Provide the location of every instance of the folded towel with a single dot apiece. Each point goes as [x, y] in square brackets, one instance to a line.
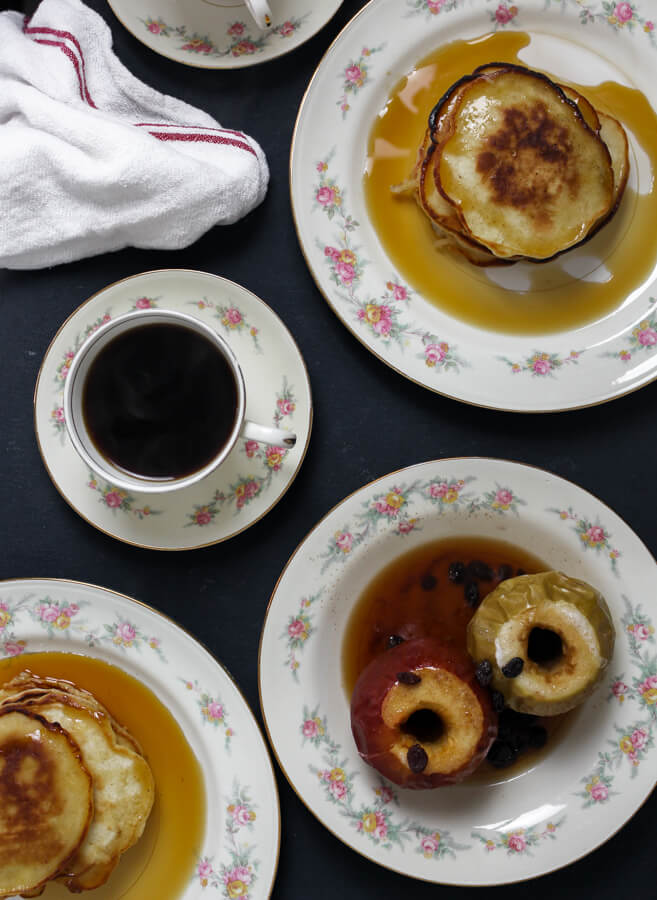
[92, 160]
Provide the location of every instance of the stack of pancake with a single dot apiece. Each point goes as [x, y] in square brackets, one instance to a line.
[514, 166]
[75, 789]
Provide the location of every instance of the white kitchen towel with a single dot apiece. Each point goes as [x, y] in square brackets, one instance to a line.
[92, 159]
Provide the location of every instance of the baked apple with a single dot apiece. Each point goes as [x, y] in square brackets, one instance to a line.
[419, 716]
[548, 638]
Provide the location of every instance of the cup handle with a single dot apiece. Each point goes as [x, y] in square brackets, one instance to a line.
[262, 433]
[260, 11]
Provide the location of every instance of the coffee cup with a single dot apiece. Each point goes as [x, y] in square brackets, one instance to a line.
[155, 401]
[260, 11]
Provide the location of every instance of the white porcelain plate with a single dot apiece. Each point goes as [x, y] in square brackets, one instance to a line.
[239, 850]
[254, 476]
[220, 34]
[584, 789]
[584, 42]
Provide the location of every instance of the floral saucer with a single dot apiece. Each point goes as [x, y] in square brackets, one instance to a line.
[220, 34]
[577, 796]
[253, 478]
[585, 41]
[239, 852]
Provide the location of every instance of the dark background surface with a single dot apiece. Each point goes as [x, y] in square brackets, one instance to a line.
[368, 421]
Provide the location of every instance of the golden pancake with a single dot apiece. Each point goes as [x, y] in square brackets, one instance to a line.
[123, 788]
[526, 174]
[46, 800]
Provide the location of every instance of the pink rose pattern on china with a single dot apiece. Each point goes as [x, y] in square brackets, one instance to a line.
[249, 487]
[618, 15]
[237, 874]
[520, 841]
[394, 509]
[297, 631]
[541, 364]
[354, 76]
[634, 739]
[240, 38]
[641, 339]
[382, 317]
[10, 644]
[213, 711]
[233, 320]
[57, 419]
[116, 499]
[593, 535]
[377, 821]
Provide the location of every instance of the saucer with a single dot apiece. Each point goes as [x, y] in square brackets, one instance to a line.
[588, 783]
[220, 34]
[253, 478]
[238, 854]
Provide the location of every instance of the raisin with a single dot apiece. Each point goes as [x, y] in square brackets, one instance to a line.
[513, 668]
[501, 754]
[537, 736]
[521, 572]
[505, 571]
[456, 572]
[472, 593]
[497, 699]
[417, 758]
[394, 640]
[480, 570]
[408, 678]
[484, 673]
[428, 582]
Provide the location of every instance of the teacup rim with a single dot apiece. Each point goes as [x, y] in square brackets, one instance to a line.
[150, 485]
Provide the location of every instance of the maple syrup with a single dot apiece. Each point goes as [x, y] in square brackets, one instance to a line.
[622, 255]
[413, 597]
[161, 862]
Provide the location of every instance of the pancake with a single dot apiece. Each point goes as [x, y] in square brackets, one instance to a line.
[123, 788]
[527, 175]
[514, 166]
[46, 801]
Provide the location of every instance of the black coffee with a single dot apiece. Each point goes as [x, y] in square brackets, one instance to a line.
[160, 401]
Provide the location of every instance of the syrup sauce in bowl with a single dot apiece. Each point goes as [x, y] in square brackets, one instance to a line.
[414, 597]
[580, 286]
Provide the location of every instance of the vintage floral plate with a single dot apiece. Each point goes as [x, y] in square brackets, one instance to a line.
[585, 42]
[239, 853]
[252, 479]
[594, 778]
[220, 34]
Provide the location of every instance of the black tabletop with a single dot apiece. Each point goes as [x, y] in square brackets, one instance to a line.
[368, 421]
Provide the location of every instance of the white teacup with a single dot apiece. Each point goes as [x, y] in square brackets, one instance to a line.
[78, 431]
[260, 11]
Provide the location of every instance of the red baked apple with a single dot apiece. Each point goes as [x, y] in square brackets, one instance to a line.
[419, 716]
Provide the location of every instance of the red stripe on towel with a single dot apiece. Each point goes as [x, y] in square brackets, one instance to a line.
[79, 66]
[238, 134]
[204, 138]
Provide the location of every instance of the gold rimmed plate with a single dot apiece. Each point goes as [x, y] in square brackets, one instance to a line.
[608, 352]
[560, 807]
[237, 853]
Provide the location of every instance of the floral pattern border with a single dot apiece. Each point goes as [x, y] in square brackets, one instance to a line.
[378, 820]
[239, 40]
[384, 317]
[632, 740]
[236, 877]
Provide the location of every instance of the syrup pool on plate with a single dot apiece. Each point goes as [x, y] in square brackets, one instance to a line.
[413, 597]
[162, 862]
[580, 286]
